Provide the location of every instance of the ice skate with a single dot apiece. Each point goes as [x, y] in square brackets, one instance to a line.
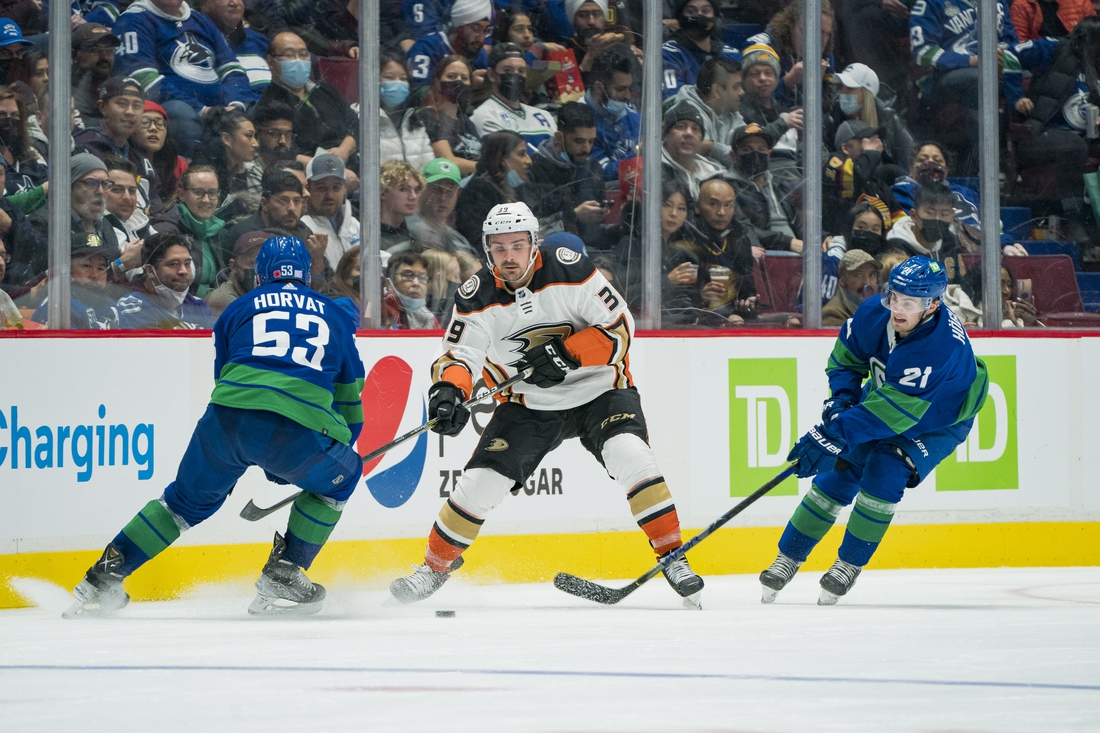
[283, 589]
[422, 583]
[775, 578]
[685, 582]
[100, 593]
[837, 581]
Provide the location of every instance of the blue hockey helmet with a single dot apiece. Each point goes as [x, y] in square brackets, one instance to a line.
[282, 258]
[917, 277]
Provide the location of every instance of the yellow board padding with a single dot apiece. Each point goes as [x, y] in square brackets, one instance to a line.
[537, 558]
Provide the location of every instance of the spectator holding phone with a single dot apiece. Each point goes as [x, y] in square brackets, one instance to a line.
[567, 188]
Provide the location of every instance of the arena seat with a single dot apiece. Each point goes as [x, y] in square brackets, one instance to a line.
[1054, 247]
[783, 275]
[342, 73]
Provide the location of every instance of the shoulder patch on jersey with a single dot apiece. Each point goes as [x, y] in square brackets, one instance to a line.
[835, 162]
[567, 256]
[470, 287]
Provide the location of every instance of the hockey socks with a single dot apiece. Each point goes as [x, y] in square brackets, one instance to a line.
[454, 530]
[147, 535]
[869, 521]
[653, 510]
[312, 519]
[810, 522]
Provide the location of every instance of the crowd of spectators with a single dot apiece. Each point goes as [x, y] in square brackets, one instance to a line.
[199, 130]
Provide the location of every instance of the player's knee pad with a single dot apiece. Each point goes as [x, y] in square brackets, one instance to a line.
[480, 490]
[887, 473]
[629, 460]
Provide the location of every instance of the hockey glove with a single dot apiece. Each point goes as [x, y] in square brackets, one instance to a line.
[549, 362]
[445, 406]
[833, 407]
[817, 451]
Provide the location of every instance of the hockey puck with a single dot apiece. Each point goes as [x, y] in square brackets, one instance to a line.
[445, 614]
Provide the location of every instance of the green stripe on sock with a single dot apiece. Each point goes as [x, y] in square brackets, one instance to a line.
[312, 520]
[152, 529]
[868, 521]
[811, 523]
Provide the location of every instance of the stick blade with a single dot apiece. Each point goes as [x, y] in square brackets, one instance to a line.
[251, 512]
[588, 590]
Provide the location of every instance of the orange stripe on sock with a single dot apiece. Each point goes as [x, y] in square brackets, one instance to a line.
[440, 553]
[664, 532]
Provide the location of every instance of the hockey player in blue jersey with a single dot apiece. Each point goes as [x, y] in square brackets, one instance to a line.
[286, 398]
[924, 388]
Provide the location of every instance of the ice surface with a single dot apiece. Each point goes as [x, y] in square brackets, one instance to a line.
[931, 650]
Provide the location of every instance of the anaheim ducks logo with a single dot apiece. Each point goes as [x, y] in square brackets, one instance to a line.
[497, 444]
[529, 338]
[470, 287]
[567, 256]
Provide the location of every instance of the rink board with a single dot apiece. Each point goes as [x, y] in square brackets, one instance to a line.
[106, 421]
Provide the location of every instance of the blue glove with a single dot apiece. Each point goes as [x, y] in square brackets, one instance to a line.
[833, 407]
[817, 451]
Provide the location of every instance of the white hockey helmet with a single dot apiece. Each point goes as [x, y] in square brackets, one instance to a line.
[507, 218]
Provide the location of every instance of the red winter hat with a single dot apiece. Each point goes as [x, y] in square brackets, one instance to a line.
[154, 107]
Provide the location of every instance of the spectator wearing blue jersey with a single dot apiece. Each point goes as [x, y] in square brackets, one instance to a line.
[104, 12]
[943, 36]
[784, 35]
[94, 48]
[857, 281]
[181, 60]
[163, 300]
[465, 36]
[505, 110]
[618, 123]
[698, 39]
[248, 44]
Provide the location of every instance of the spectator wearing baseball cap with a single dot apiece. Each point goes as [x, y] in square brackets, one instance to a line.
[328, 210]
[12, 45]
[242, 271]
[92, 296]
[857, 100]
[504, 109]
[431, 224]
[858, 281]
[122, 105]
[856, 171]
[767, 199]
[682, 135]
[94, 49]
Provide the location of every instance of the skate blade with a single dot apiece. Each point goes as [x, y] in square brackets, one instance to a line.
[767, 594]
[827, 599]
[272, 606]
[80, 609]
[694, 602]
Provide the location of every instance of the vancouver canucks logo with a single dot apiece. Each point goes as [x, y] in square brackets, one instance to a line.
[529, 338]
[193, 61]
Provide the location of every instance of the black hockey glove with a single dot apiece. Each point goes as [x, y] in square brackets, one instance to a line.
[549, 362]
[445, 405]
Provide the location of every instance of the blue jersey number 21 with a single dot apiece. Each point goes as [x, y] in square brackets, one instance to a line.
[264, 332]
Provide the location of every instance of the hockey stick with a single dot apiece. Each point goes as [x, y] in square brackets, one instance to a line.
[609, 596]
[251, 512]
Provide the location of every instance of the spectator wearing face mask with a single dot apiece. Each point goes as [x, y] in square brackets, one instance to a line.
[505, 110]
[242, 272]
[858, 281]
[400, 135]
[618, 123]
[405, 305]
[163, 300]
[698, 40]
[766, 199]
[857, 99]
[451, 133]
[864, 228]
[856, 170]
[24, 167]
[927, 232]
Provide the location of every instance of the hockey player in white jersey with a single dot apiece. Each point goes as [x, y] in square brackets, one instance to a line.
[551, 311]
